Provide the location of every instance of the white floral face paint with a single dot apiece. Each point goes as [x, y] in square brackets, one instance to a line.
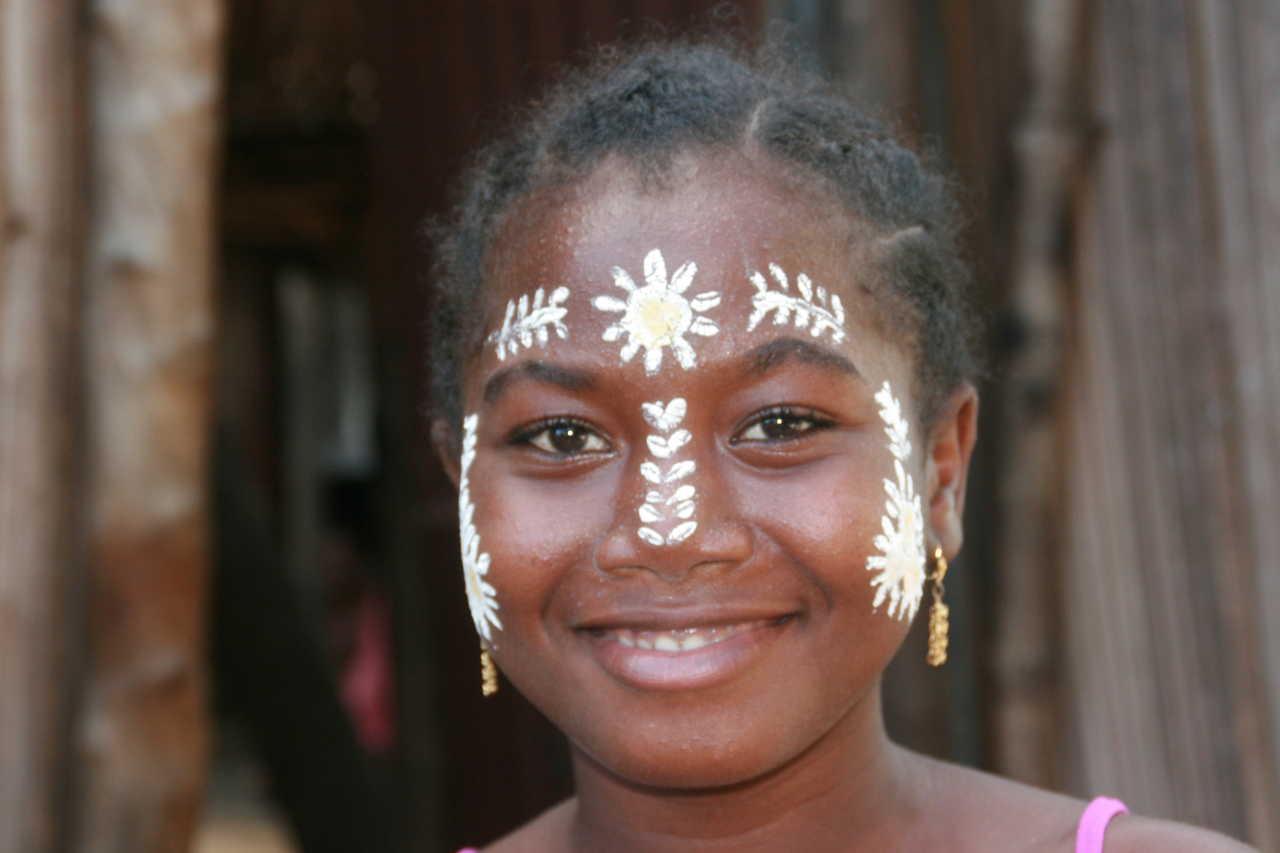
[813, 308]
[528, 322]
[900, 563]
[667, 501]
[658, 315]
[481, 596]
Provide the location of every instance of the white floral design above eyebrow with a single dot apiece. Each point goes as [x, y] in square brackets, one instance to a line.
[662, 502]
[813, 307]
[481, 596]
[658, 315]
[901, 561]
[526, 323]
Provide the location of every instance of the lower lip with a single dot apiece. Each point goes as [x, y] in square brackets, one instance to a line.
[695, 669]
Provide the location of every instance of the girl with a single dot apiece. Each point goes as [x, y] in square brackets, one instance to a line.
[704, 376]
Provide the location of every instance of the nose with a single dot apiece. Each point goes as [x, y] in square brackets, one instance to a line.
[676, 533]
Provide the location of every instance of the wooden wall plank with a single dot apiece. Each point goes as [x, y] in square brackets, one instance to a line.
[40, 167]
[1049, 144]
[154, 98]
[1237, 72]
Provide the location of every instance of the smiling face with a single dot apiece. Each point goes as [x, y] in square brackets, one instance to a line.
[679, 543]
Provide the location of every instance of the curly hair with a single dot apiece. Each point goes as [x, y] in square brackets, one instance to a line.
[656, 101]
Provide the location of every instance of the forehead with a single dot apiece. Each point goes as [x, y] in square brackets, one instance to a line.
[731, 217]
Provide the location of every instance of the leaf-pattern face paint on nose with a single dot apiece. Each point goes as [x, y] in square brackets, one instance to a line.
[664, 504]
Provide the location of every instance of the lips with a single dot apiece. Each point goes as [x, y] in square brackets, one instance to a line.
[672, 653]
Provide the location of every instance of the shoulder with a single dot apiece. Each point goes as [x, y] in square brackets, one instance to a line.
[547, 831]
[1000, 814]
[986, 812]
[1136, 834]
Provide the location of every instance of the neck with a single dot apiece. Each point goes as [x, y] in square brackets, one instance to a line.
[848, 791]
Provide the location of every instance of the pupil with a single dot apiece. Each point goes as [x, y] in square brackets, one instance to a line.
[777, 426]
[567, 438]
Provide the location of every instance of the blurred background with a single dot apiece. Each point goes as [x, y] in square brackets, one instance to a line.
[231, 611]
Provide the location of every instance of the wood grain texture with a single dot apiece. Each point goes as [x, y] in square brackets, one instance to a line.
[1173, 474]
[40, 119]
[155, 82]
[1049, 146]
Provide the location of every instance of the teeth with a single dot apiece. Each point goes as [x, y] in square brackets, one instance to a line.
[680, 639]
[666, 643]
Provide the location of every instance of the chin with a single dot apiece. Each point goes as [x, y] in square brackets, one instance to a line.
[700, 756]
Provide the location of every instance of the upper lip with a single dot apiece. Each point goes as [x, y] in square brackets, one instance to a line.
[675, 618]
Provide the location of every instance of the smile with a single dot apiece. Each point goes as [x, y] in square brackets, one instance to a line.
[680, 639]
[681, 658]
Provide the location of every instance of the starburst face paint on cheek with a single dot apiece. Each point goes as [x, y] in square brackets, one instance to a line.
[668, 500]
[530, 321]
[900, 561]
[658, 315]
[481, 595]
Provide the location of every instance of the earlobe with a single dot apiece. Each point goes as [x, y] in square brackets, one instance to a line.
[442, 440]
[950, 451]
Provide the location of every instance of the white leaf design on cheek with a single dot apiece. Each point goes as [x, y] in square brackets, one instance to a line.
[901, 558]
[481, 595]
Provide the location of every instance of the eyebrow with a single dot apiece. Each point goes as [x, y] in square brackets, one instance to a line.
[770, 356]
[539, 371]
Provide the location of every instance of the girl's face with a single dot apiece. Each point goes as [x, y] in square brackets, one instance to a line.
[677, 487]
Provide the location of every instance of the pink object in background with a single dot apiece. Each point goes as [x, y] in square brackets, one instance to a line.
[367, 680]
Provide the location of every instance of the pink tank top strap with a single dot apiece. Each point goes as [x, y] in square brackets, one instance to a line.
[1093, 823]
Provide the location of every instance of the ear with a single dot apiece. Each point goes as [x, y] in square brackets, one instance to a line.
[442, 439]
[950, 449]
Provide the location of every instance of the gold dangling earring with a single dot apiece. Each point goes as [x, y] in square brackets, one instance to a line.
[488, 673]
[939, 613]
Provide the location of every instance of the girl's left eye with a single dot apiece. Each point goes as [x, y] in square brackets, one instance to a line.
[783, 424]
[563, 438]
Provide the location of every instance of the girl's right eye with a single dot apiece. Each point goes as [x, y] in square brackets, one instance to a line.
[562, 437]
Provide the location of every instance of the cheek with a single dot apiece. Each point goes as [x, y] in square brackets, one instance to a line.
[827, 519]
[536, 531]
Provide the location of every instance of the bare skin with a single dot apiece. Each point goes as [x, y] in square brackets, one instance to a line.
[772, 740]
